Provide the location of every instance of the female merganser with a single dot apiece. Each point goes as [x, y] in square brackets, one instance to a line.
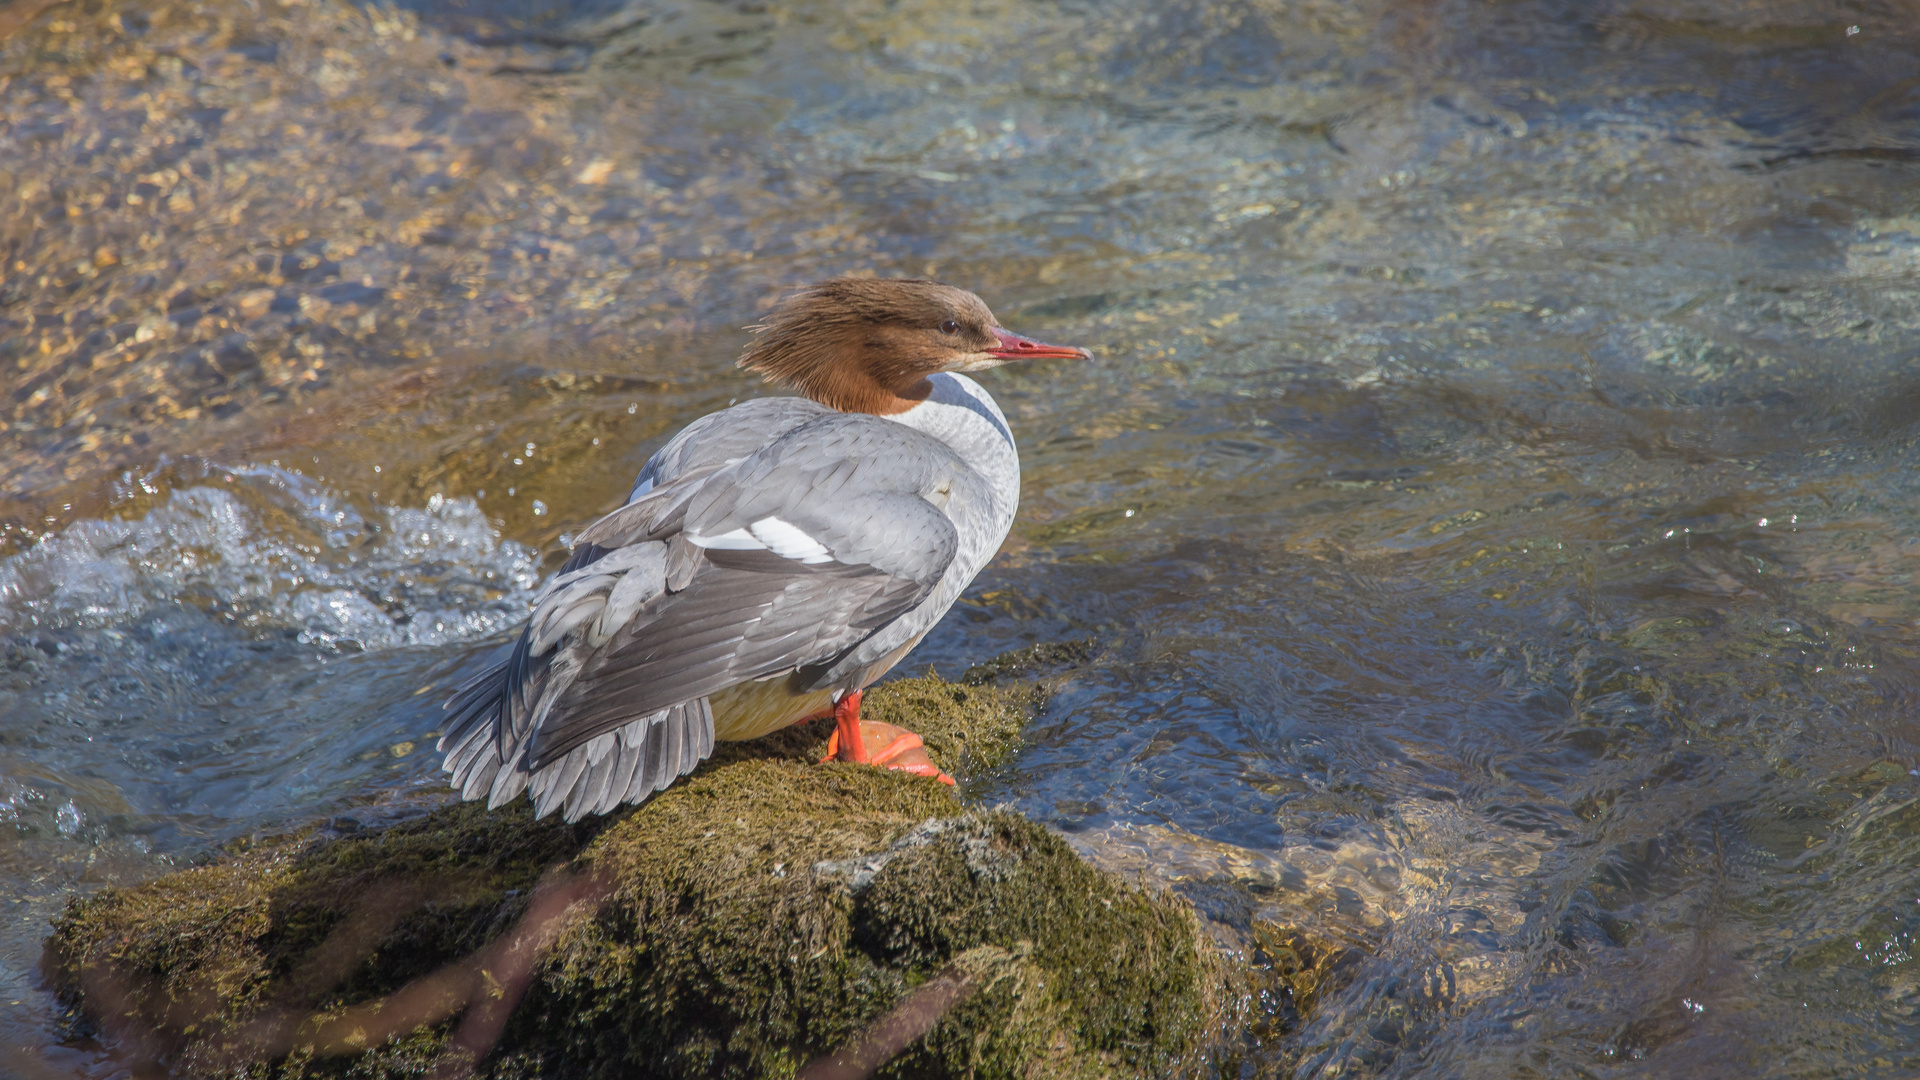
[772, 561]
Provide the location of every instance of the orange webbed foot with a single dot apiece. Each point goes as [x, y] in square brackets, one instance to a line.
[900, 749]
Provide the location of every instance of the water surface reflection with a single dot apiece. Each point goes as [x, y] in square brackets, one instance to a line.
[1494, 504]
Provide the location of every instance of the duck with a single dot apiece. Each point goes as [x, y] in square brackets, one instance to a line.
[771, 562]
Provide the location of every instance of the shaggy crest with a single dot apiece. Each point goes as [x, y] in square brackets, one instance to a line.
[868, 344]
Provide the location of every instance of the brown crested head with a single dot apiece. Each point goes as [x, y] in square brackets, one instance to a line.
[869, 344]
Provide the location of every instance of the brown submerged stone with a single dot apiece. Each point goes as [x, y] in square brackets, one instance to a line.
[763, 912]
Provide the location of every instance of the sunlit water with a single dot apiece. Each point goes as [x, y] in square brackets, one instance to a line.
[1494, 502]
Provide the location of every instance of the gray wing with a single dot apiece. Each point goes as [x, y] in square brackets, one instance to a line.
[710, 443]
[491, 717]
[720, 439]
[779, 563]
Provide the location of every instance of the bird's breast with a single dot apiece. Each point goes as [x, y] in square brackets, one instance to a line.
[751, 709]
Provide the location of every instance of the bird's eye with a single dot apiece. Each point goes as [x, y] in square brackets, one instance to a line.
[949, 327]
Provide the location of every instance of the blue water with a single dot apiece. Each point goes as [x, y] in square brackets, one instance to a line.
[1492, 506]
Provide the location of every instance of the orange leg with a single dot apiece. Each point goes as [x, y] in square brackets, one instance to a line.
[846, 730]
[903, 750]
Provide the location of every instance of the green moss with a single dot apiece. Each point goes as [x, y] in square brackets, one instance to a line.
[975, 726]
[763, 911]
[300, 924]
[1115, 973]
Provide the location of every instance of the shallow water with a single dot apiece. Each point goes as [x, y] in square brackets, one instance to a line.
[1493, 502]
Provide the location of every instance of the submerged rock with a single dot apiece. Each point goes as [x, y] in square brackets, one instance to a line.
[762, 913]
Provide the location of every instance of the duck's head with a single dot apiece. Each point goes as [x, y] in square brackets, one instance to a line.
[869, 344]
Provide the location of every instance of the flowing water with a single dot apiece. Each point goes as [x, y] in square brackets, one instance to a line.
[1493, 505]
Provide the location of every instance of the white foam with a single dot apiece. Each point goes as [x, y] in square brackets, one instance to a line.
[275, 551]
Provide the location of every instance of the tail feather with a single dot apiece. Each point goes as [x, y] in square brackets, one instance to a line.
[506, 787]
[461, 755]
[620, 777]
[480, 781]
[629, 769]
[700, 747]
[471, 708]
[473, 766]
[492, 719]
[488, 735]
[601, 780]
[650, 775]
[671, 739]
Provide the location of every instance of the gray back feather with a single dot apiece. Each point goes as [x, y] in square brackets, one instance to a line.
[771, 539]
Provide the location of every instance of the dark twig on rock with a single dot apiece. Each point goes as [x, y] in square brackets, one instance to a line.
[913, 1017]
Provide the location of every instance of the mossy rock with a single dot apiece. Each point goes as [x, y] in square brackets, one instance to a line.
[761, 912]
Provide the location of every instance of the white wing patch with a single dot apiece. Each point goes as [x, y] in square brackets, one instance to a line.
[769, 534]
[737, 540]
[789, 542]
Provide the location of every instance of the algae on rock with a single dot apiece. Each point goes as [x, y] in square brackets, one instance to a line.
[761, 912]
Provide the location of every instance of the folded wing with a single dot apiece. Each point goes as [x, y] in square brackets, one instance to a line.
[781, 563]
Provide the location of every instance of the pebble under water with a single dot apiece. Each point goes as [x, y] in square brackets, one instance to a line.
[1493, 507]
